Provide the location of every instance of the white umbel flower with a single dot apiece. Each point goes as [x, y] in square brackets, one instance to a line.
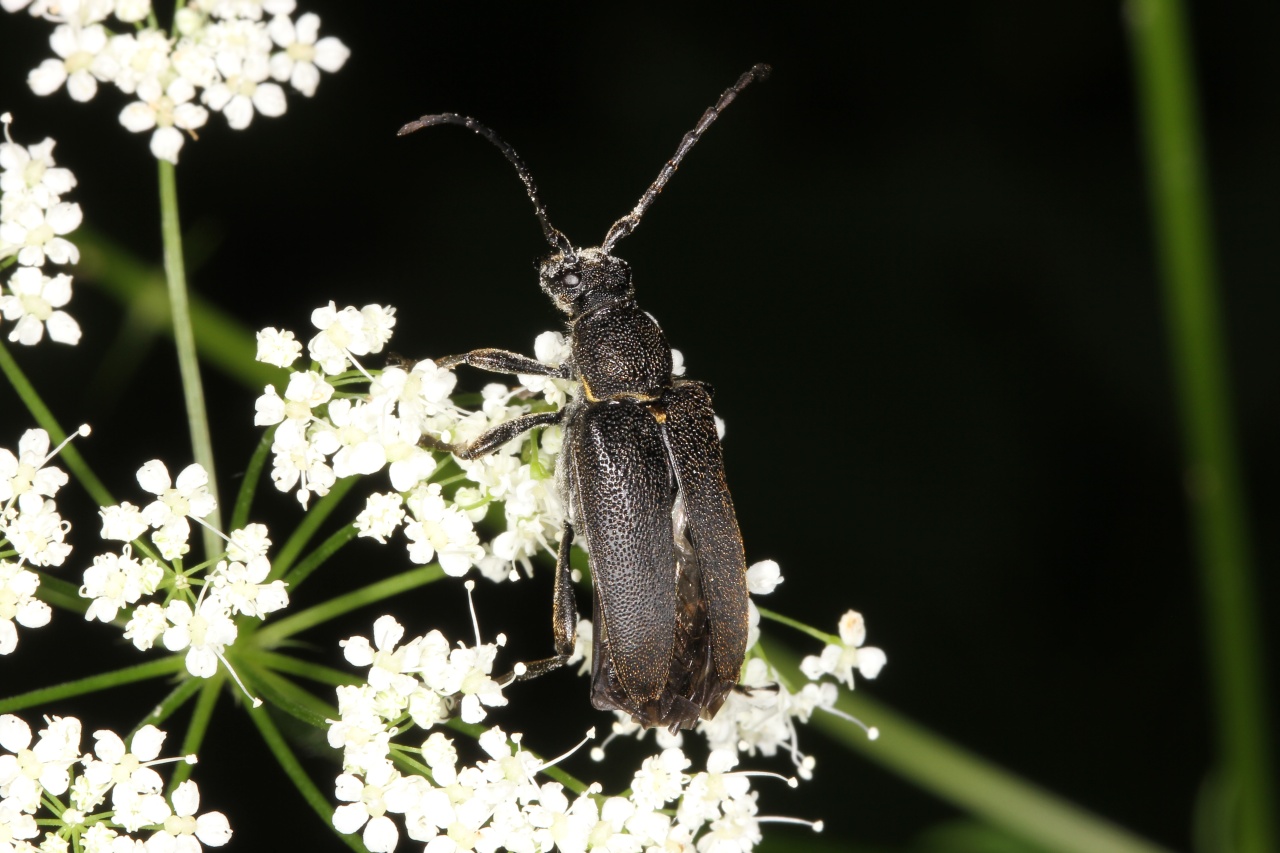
[277, 347]
[347, 332]
[763, 577]
[381, 516]
[189, 496]
[242, 52]
[243, 587]
[184, 831]
[34, 304]
[38, 532]
[28, 471]
[36, 234]
[204, 632]
[122, 522]
[80, 63]
[29, 174]
[366, 806]
[142, 56]
[115, 581]
[169, 110]
[306, 391]
[18, 604]
[849, 654]
[302, 57]
[132, 11]
[33, 770]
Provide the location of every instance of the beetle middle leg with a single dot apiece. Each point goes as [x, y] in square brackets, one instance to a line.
[498, 361]
[564, 615]
[564, 607]
[494, 437]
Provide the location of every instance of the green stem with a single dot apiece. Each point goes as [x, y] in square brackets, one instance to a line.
[185, 341]
[288, 697]
[292, 767]
[249, 483]
[307, 528]
[1180, 213]
[323, 552]
[61, 593]
[966, 780]
[177, 697]
[820, 636]
[318, 673]
[273, 633]
[70, 455]
[117, 678]
[201, 717]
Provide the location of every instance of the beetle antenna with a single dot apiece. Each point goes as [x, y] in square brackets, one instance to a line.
[553, 235]
[628, 223]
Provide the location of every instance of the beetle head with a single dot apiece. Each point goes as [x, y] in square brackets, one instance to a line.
[585, 279]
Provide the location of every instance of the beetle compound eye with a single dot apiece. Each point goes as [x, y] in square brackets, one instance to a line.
[571, 280]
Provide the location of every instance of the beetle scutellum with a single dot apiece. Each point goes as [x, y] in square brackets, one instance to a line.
[641, 474]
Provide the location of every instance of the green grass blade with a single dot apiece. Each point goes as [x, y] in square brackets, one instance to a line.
[1180, 214]
[964, 779]
[222, 341]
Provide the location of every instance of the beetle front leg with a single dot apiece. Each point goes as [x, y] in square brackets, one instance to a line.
[503, 361]
[493, 438]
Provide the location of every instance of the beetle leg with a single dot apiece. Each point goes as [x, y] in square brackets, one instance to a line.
[491, 439]
[564, 608]
[502, 361]
[564, 615]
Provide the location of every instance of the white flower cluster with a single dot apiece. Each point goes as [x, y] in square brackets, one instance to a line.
[31, 530]
[328, 426]
[762, 716]
[425, 678]
[840, 657]
[229, 56]
[498, 803]
[203, 623]
[325, 430]
[39, 774]
[33, 222]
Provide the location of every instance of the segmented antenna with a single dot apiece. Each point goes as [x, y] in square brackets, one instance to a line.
[628, 223]
[553, 235]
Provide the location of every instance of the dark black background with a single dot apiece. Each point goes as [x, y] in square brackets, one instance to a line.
[916, 265]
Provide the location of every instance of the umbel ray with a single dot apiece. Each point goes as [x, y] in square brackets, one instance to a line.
[641, 475]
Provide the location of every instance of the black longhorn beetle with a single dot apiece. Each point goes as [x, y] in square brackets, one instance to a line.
[641, 474]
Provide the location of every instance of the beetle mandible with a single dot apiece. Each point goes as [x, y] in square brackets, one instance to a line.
[641, 474]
